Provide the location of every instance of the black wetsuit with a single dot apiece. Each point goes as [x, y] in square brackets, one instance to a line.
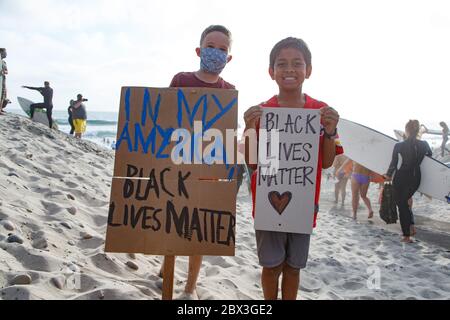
[47, 93]
[407, 178]
[72, 127]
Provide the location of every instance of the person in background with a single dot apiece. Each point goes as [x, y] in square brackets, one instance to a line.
[79, 116]
[342, 171]
[47, 93]
[3, 72]
[360, 186]
[70, 119]
[407, 178]
[445, 132]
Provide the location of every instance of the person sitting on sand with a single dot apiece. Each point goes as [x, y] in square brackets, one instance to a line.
[360, 186]
[407, 177]
[445, 131]
[342, 171]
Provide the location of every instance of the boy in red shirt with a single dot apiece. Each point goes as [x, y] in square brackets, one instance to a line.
[281, 252]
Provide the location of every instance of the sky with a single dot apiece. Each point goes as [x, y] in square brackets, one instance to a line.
[379, 63]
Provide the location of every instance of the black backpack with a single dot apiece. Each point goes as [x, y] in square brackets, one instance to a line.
[388, 209]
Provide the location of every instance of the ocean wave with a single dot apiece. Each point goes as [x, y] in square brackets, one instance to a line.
[101, 134]
[89, 122]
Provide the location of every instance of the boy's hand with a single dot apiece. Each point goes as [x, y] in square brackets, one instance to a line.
[330, 119]
[252, 116]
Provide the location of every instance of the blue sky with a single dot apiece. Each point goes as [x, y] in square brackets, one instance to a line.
[378, 62]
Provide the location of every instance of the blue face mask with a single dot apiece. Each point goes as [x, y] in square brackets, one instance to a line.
[213, 60]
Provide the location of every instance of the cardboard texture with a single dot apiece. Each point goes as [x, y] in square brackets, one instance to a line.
[285, 200]
[160, 208]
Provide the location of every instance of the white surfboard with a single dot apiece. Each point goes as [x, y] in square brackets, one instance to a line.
[40, 115]
[373, 150]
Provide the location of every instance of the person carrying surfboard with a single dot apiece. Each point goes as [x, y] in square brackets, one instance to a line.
[47, 93]
[407, 178]
[282, 253]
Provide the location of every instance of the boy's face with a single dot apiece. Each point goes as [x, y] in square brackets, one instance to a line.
[216, 40]
[290, 70]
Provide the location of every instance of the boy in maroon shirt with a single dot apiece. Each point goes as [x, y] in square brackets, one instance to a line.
[215, 45]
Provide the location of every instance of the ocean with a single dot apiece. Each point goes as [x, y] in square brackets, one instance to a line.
[102, 127]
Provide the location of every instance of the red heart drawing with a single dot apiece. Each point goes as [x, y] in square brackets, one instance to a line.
[280, 202]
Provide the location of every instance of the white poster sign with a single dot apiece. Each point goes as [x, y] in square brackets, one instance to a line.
[286, 182]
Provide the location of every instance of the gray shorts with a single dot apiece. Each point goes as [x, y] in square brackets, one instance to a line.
[274, 248]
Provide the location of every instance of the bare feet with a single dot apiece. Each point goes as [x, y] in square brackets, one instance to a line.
[413, 230]
[188, 296]
[407, 240]
[370, 215]
[354, 216]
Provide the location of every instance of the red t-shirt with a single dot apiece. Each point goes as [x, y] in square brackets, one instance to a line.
[190, 80]
[310, 103]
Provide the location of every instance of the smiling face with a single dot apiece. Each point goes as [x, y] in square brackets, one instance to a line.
[290, 69]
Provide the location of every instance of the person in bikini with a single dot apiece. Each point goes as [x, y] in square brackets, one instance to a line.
[360, 186]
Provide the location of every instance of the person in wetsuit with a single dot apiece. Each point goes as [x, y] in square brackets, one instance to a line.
[407, 177]
[445, 131]
[70, 119]
[47, 93]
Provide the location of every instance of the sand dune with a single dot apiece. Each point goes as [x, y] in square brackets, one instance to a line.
[54, 197]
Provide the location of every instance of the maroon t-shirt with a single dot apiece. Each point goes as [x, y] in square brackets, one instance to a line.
[190, 80]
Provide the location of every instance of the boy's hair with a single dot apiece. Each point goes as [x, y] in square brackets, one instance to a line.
[214, 28]
[291, 42]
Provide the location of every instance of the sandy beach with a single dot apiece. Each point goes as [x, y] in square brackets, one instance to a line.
[54, 198]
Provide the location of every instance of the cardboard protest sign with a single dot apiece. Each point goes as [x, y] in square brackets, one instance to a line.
[287, 170]
[174, 187]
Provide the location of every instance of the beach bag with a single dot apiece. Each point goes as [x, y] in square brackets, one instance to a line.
[388, 209]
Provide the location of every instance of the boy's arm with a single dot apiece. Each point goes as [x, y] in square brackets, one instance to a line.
[330, 119]
[251, 118]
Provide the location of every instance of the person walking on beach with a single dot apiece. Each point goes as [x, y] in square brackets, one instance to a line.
[3, 72]
[342, 171]
[360, 185]
[70, 119]
[47, 93]
[79, 116]
[407, 178]
[281, 253]
[214, 54]
[445, 132]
